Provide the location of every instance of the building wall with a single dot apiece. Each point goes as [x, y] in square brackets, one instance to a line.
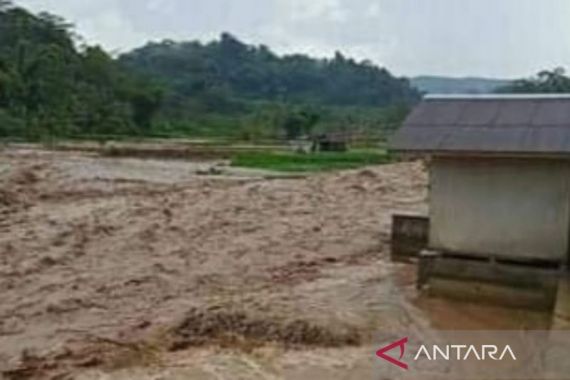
[509, 207]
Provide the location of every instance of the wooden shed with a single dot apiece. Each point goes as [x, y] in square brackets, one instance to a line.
[330, 142]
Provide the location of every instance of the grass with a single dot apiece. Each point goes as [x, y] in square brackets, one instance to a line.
[296, 162]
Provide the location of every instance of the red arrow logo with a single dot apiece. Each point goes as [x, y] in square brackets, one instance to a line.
[381, 353]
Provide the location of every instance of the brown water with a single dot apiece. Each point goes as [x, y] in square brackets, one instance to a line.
[100, 259]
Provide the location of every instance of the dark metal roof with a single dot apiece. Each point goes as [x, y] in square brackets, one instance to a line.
[510, 124]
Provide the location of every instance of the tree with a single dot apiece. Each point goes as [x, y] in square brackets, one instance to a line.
[192, 69]
[297, 123]
[50, 88]
[545, 81]
[145, 102]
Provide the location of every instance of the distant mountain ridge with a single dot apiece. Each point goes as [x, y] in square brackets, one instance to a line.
[450, 85]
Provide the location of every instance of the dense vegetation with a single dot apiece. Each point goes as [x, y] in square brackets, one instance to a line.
[227, 82]
[291, 162]
[228, 67]
[48, 87]
[546, 81]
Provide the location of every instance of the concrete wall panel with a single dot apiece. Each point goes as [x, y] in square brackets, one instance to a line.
[508, 207]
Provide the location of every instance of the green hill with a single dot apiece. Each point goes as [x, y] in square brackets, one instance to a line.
[229, 87]
[48, 87]
[230, 67]
[449, 85]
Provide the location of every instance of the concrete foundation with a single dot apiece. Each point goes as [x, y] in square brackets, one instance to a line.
[409, 237]
[561, 314]
[503, 284]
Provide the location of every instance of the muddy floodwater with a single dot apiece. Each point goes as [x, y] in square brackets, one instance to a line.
[148, 269]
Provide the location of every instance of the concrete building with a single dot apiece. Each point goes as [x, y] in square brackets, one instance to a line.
[499, 174]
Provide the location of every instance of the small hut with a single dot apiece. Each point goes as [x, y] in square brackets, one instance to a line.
[499, 175]
[330, 142]
[499, 172]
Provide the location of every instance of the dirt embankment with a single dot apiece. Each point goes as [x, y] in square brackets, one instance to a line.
[107, 263]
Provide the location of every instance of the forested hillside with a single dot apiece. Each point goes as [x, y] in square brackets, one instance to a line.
[546, 81]
[48, 87]
[232, 68]
[208, 82]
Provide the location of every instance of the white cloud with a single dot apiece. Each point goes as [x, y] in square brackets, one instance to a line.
[315, 10]
[98, 21]
[110, 28]
[161, 6]
[373, 10]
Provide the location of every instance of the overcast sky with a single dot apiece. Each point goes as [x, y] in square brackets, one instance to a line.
[493, 38]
